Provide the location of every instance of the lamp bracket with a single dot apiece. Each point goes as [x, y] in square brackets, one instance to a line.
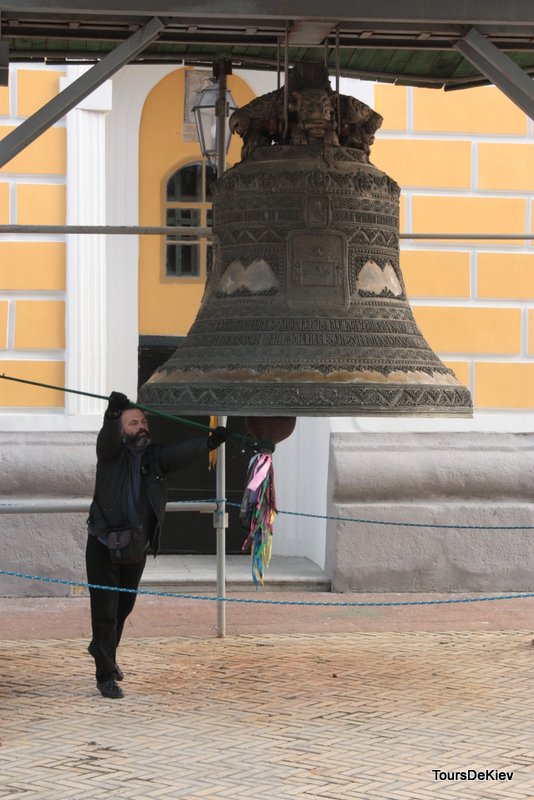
[223, 64]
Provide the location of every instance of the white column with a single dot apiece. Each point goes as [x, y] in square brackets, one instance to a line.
[86, 255]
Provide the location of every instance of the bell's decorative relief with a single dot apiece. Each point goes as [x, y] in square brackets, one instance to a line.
[305, 308]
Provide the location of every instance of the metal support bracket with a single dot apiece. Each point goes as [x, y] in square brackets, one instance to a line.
[220, 519]
[69, 98]
[499, 69]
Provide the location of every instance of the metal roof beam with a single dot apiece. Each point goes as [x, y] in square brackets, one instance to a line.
[467, 12]
[499, 69]
[309, 32]
[69, 98]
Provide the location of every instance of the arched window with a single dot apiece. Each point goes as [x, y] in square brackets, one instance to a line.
[188, 203]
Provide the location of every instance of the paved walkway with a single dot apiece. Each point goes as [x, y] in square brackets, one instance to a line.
[296, 702]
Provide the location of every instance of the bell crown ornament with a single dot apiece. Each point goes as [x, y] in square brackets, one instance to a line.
[305, 309]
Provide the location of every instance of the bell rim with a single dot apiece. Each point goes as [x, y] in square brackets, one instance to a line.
[308, 399]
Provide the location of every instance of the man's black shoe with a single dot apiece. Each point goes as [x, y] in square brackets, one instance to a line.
[118, 673]
[110, 689]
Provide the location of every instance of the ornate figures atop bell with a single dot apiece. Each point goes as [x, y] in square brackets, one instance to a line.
[305, 310]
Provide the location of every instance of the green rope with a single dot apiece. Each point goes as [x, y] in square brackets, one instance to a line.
[247, 438]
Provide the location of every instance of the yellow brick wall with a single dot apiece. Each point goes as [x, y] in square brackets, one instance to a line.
[465, 163]
[35, 88]
[40, 204]
[471, 330]
[45, 156]
[506, 167]
[3, 324]
[392, 103]
[4, 203]
[4, 101]
[434, 273]
[416, 162]
[19, 395]
[32, 266]
[504, 385]
[32, 271]
[476, 111]
[506, 276]
[531, 332]
[39, 324]
[432, 214]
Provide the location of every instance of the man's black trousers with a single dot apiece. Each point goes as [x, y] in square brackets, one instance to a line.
[109, 609]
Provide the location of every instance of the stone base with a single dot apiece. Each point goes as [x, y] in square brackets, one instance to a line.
[44, 467]
[457, 479]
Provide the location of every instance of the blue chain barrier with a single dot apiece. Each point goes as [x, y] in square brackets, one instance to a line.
[257, 601]
[403, 524]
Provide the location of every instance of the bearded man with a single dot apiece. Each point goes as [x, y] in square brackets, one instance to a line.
[128, 505]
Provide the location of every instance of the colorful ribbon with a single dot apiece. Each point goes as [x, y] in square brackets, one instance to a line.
[257, 513]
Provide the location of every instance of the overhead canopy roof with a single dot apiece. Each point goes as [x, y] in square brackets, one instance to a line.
[418, 42]
[450, 44]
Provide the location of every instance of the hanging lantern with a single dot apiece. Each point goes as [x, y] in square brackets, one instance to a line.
[205, 112]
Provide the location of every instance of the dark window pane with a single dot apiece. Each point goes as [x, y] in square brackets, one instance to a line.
[182, 237]
[209, 217]
[183, 216]
[185, 184]
[182, 260]
[170, 259]
[211, 177]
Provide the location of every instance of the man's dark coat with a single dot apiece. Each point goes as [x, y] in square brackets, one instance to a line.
[109, 509]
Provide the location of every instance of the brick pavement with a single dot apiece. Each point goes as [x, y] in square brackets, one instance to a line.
[271, 716]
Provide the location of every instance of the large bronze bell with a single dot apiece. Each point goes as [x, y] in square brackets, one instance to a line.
[305, 310]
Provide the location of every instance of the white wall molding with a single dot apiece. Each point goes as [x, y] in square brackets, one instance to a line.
[85, 367]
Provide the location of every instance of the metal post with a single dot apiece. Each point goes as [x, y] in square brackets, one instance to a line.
[338, 106]
[221, 113]
[221, 523]
[286, 81]
[223, 68]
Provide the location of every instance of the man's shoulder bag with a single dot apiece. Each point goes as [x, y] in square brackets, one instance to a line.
[126, 545]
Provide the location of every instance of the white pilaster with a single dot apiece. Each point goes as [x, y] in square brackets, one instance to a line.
[86, 255]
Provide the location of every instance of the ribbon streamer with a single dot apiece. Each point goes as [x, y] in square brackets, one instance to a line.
[257, 513]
